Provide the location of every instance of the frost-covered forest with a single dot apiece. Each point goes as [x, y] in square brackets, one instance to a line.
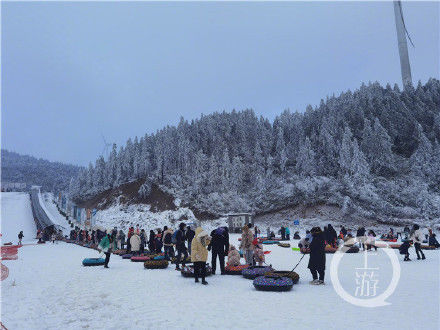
[51, 176]
[374, 153]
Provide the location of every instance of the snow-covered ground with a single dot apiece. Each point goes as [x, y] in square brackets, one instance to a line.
[125, 216]
[16, 216]
[48, 288]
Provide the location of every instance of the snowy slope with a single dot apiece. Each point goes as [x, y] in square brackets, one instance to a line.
[53, 291]
[48, 205]
[16, 215]
[123, 217]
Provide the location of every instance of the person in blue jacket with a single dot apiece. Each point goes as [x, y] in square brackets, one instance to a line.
[288, 233]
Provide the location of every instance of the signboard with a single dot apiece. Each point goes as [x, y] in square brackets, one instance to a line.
[296, 222]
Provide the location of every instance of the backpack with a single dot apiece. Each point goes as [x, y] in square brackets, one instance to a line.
[168, 239]
[174, 237]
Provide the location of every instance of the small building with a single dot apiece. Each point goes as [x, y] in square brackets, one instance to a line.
[236, 221]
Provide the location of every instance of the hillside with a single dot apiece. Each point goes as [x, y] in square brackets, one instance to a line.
[372, 154]
[52, 176]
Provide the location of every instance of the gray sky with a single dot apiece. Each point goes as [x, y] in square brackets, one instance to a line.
[73, 71]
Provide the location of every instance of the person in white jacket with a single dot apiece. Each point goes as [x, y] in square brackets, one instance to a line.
[135, 243]
[417, 239]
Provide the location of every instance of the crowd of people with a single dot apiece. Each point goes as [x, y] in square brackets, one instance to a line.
[184, 244]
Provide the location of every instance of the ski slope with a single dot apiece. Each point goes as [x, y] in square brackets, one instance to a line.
[48, 205]
[16, 215]
[48, 288]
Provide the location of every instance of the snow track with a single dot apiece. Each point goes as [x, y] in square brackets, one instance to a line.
[16, 215]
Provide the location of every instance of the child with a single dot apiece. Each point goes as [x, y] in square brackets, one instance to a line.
[404, 249]
[258, 252]
[233, 256]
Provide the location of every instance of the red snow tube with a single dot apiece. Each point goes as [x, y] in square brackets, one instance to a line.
[389, 239]
[140, 258]
[328, 249]
[235, 270]
[395, 246]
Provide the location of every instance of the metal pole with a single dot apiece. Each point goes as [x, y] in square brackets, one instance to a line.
[402, 44]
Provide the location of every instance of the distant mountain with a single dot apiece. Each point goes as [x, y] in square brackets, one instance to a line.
[51, 176]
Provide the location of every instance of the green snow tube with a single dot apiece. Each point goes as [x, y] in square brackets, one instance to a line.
[93, 262]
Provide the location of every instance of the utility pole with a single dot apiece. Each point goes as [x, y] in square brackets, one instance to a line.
[402, 44]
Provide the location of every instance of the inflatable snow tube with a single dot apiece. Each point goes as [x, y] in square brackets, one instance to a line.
[159, 258]
[273, 283]
[428, 247]
[120, 252]
[395, 246]
[93, 262]
[188, 270]
[389, 239]
[255, 271]
[156, 264]
[284, 245]
[186, 261]
[352, 249]
[296, 237]
[270, 242]
[139, 258]
[127, 256]
[42, 242]
[235, 270]
[285, 273]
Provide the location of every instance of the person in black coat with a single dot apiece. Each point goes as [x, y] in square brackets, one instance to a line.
[20, 237]
[360, 234]
[317, 256]
[180, 246]
[283, 233]
[220, 247]
[332, 235]
[151, 246]
[189, 237]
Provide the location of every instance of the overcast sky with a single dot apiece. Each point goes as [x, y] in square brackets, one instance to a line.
[73, 71]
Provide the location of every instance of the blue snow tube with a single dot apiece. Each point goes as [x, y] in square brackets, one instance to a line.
[127, 256]
[255, 271]
[273, 283]
[93, 262]
[270, 242]
[159, 258]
